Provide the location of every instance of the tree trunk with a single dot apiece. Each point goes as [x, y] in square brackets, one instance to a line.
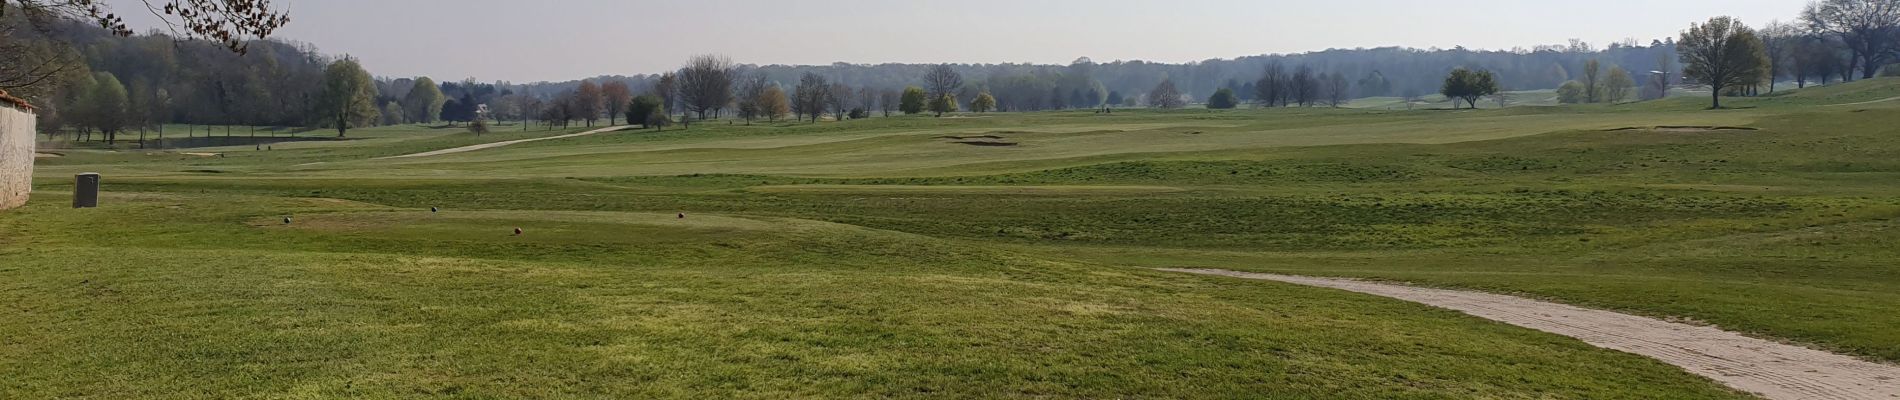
[1716, 94]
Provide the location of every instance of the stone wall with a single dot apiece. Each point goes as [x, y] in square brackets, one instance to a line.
[16, 151]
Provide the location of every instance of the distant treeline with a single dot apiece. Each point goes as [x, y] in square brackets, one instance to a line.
[99, 81]
[1389, 71]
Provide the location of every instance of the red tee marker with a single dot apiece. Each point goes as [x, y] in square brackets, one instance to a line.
[517, 231]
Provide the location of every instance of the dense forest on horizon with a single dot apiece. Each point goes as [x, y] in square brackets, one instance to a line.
[1398, 69]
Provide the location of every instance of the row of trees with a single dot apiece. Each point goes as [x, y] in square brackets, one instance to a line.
[1869, 31]
[708, 85]
[272, 83]
[1087, 84]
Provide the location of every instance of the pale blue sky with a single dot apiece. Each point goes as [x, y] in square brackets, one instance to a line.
[527, 40]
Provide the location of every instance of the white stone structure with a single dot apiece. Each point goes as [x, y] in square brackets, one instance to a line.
[16, 151]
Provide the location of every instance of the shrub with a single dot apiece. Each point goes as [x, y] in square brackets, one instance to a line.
[1223, 99]
[1571, 93]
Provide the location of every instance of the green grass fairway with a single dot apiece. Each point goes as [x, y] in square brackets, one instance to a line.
[976, 256]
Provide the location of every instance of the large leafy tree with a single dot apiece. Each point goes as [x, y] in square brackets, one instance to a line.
[944, 104]
[1570, 92]
[984, 103]
[643, 109]
[1469, 86]
[1223, 99]
[348, 99]
[106, 105]
[424, 101]
[913, 100]
[393, 114]
[1722, 53]
[1618, 86]
[773, 103]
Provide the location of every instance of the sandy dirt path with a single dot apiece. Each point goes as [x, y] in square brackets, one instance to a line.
[465, 149]
[1769, 369]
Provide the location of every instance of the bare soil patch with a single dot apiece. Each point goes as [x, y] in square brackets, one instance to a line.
[985, 143]
[1682, 129]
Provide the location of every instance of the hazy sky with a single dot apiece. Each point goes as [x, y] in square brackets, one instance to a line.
[530, 40]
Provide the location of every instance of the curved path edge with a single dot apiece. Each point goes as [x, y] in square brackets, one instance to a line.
[1769, 369]
[1864, 102]
[482, 146]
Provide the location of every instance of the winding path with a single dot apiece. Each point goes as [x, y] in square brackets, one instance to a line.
[1772, 370]
[465, 149]
[1865, 102]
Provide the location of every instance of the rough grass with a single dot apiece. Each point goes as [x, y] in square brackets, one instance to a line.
[877, 258]
[355, 300]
